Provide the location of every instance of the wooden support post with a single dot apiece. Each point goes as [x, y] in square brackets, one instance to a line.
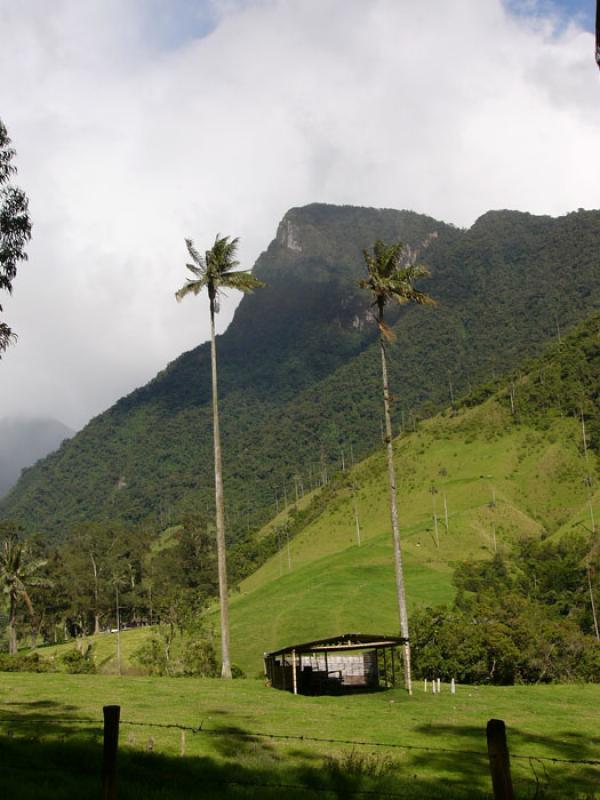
[111, 744]
[294, 676]
[385, 667]
[499, 760]
[182, 743]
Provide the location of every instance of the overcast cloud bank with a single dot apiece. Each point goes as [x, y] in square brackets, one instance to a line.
[137, 124]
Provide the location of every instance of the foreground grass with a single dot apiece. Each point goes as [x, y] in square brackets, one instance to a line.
[237, 742]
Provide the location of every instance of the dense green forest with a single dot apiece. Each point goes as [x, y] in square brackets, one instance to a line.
[299, 375]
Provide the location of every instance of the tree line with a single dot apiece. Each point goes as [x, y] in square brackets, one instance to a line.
[527, 618]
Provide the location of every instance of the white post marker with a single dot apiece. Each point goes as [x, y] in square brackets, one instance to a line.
[425, 685]
[439, 686]
[294, 678]
[453, 686]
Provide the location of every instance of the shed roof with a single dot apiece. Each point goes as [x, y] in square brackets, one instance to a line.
[347, 641]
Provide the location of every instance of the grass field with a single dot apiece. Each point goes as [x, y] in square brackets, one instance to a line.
[46, 729]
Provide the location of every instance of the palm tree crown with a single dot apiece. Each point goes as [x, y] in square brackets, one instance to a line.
[216, 270]
[392, 272]
[16, 576]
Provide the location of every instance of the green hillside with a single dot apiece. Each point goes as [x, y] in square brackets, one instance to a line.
[470, 457]
[334, 585]
[502, 471]
[299, 377]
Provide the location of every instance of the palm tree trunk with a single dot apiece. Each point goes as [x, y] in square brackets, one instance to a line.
[220, 506]
[400, 593]
[595, 618]
[96, 592]
[12, 627]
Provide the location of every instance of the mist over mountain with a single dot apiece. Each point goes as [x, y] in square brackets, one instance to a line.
[23, 441]
[299, 372]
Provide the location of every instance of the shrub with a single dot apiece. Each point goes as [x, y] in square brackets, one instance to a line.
[238, 672]
[32, 662]
[152, 656]
[78, 662]
[199, 658]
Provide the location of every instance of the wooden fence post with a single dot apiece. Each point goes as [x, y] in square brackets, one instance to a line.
[499, 760]
[111, 744]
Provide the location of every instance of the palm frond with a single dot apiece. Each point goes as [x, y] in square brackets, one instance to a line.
[195, 254]
[386, 331]
[33, 566]
[191, 287]
[198, 271]
[242, 281]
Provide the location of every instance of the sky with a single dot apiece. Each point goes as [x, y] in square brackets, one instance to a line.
[138, 123]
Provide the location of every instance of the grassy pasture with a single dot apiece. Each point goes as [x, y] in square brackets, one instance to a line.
[40, 713]
[104, 649]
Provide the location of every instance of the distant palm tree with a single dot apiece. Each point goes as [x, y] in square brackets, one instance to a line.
[216, 271]
[391, 275]
[16, 577]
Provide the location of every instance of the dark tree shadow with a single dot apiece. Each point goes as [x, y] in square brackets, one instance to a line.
[48, 751]
[532, 772]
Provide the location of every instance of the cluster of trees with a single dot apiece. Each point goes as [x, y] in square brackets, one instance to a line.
[106, 577]
[528, 619]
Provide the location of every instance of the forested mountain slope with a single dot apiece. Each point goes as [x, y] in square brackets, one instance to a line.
[299, 373]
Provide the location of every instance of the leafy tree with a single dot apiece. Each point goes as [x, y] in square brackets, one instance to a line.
[16, 576]
[521, 619]
[216, 271]
[92, 554]
[392, 272]
[15, 227]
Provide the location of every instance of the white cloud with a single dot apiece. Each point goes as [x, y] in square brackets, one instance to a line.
[128, 142]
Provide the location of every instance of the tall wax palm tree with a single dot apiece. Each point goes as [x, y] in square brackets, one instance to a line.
[16, 577]
[391, 274]
[215, 272]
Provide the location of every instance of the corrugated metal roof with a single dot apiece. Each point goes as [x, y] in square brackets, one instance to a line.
[347, 641]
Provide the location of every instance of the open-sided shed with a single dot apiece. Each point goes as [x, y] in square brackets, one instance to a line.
[339, 663]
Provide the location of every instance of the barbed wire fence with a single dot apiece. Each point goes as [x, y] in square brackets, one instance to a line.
[497, 753]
